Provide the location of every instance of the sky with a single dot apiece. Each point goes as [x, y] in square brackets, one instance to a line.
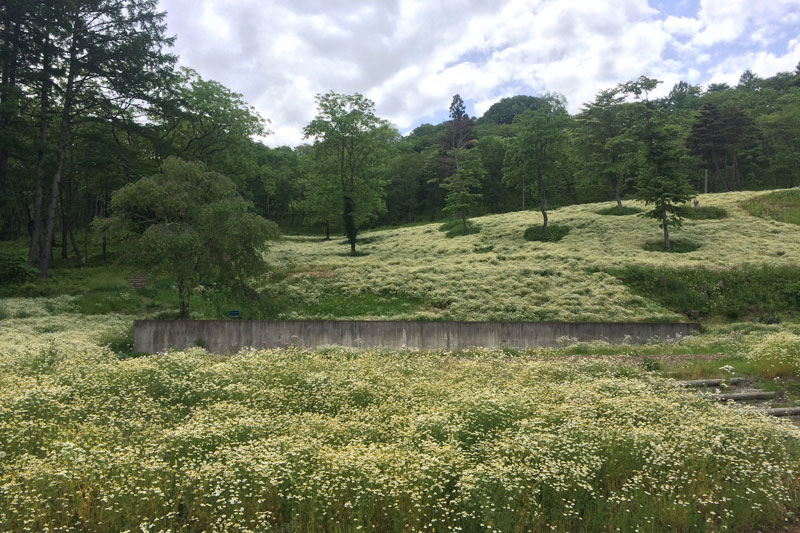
[411, 56]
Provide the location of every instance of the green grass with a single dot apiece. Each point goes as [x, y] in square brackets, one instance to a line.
[703, 212]
[617, 211]
[553, 233]
[748, 291]
[455, 228]
[783, 206]
[327, 302]
[676, 246]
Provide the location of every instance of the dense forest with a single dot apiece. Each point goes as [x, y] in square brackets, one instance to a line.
[92, 100]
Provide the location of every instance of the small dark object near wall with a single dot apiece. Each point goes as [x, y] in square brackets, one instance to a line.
[227, 336]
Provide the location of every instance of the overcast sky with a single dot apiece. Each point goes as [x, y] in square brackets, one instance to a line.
[412, 56]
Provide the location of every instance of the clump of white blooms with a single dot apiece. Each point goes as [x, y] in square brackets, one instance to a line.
[338, 439]
[778, 354]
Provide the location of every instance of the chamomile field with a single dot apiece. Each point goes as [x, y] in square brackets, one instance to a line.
[419, 273]
[581, 437]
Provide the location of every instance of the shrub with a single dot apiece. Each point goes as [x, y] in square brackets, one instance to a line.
[783, 206]
[676, 246]
[777, 355]
[703, 213]
[553, 233]
[455, 228]
[617, 211]
[14, 270]
[767, 291]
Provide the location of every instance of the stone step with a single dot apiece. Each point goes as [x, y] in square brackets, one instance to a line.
[712, 382]
[744, 396]
[137, 281]
[784, 411]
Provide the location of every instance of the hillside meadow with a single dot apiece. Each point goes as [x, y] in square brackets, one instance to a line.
[580, 437]
[418, 273]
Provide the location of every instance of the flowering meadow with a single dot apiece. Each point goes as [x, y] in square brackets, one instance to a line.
[584, 437]
[347, 440]
[497, 275]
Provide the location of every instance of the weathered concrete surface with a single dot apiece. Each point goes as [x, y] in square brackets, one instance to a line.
[226, 336]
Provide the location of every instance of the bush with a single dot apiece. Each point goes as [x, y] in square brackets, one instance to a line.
[777, 355]
[553, 233]
[617, 211]
[455, 228]
[14, 270]
[676, 246]
[748, 291]
[783, 206]
[703, 213]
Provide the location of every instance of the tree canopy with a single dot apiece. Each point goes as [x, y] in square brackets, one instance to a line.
[191, 224]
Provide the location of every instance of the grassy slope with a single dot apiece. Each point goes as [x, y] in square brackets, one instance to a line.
[517, 280]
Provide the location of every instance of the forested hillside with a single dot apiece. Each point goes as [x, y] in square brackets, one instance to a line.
[92, 99]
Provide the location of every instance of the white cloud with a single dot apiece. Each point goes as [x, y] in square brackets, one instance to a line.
[411, 56]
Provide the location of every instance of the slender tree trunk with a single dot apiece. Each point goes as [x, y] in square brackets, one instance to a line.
[617, 195]
[183, 300]
[523, 195]
[34, 252]
[542, 196]
[327, 231]
[66, 117]
[63, 225]
[464, 220]
[665, 225]
[68, 218]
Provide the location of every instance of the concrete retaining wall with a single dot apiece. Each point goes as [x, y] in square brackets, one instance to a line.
[226, 336]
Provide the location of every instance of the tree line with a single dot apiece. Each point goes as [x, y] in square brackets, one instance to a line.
[91, 100]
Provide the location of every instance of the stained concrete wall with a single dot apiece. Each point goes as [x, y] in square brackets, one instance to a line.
[226, 336]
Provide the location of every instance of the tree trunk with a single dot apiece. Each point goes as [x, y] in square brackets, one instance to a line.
[34, 252]
[665, 225]
[66, 119]
[617, 195]
[68, 219]
[464, 220]
[349, 223]
[542, 197]
[327, 231]
[63, 225]
[183, 300]
[523, 195]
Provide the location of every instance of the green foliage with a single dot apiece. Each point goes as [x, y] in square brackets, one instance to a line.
[733, 293]
[191, 224]
[461, 186]
[538, 150]
[14, 270]
[455, 228]
[783, 206]
[553, 233]
[676, 246]
[347, 132]
[616, 211]
[703, 213]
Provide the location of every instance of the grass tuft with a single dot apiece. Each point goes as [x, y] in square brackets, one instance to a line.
[618, 212]
[553, 233]
[676, 246]
[455, 228]
[703, 213]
